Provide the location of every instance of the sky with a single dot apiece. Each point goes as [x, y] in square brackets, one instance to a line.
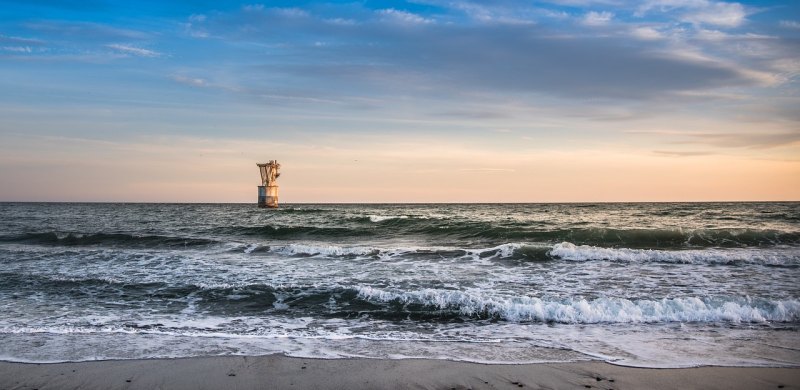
[400, 101]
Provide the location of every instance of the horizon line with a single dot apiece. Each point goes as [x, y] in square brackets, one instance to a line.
[407, 203]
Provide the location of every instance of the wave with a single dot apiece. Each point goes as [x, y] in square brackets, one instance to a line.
[381, 218]
[322, 250]
[600, 310]
[670, 238]
[779, 257]
[109, 239]
[326, 250]
[294, 232]
[522, 251]
[430, 304]
[302, 210]
[392, 226]
[569, 251]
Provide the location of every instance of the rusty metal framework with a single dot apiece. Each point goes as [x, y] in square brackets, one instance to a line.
[269, 172]
[268, 190]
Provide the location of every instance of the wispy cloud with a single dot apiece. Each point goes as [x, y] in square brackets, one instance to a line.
[17, 49]
[193, 26]
[397, 16]
[717, 13]
[487, 170]
[646, 33]
[133, 50]
[191, 81]
[472, 114]
[675, 153]
[747, 140]
[793, 24]
[594, 18]
[20, 41]
[88, 31]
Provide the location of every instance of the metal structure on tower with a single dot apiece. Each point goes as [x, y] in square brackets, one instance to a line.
[268, 190]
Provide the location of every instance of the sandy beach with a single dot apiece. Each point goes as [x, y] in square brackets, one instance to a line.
[280, 372]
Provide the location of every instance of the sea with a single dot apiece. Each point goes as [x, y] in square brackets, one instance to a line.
[636, 284]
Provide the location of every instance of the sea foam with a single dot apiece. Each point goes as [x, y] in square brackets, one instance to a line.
[599, 310]
[569, 251]
[789, 256]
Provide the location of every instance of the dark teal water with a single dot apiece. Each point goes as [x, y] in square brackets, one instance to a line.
[664, 284]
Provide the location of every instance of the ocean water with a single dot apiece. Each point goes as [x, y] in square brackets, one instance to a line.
[641, 284]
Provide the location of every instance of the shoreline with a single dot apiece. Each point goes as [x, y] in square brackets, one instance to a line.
[589, 359]
[282, 372]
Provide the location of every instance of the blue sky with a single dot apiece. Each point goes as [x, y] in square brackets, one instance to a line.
[536, 101]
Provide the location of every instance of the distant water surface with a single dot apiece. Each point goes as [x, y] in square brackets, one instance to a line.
[644, 284]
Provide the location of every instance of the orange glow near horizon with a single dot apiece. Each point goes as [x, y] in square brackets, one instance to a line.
[197, 170]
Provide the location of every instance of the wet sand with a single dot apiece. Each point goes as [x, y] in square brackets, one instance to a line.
[280, 372]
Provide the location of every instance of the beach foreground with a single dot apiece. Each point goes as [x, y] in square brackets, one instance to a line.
[281, 372]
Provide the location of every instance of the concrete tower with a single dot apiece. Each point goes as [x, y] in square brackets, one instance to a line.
[268, 190]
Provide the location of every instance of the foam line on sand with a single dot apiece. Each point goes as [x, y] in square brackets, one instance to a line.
[280, 372]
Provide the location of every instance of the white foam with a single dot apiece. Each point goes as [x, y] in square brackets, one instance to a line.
[503, 250]
[663, 345]
[788, 256]
[250, 248]
[569, 251]
[381, 218]
[600, 310]
[324, 250]
[327, 250]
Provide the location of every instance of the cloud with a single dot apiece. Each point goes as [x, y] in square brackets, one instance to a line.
[646, 33]
[446, 59]
[487, 170]
[19, 41]
[673, 153]
[197, 18]
[285, 12]
[498, 11]
[86, 31]
[341, 21]
[396, 16]
[191, 81]
[84, 5]
[584, 3]
[17, 49]
[253, 7]
[746, 140]
[471, 114]
[793, 24]
[717, 13]
[292, 12]
[593, 18]
[132, 50]
[78, 41]
[390, 53]
[194, 26]
[523, 60]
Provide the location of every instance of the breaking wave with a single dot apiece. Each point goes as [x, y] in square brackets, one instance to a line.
[583, 311]
[429, 304]
[787, 257]
[569, 251]
[390, 226]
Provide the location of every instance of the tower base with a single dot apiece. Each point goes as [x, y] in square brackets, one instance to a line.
[268, 196]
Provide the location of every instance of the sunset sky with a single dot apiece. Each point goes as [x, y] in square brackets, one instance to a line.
[400, 101]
